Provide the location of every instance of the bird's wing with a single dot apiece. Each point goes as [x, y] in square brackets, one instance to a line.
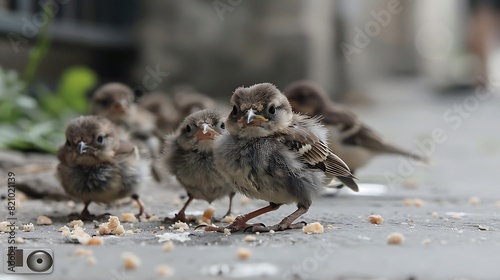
[304, 137]
[345, 120]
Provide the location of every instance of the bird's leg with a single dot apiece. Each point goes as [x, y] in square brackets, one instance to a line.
[141, 207]
[287, 222]
[228, 213]
[240, 223]
[181, 216]
[85, 215]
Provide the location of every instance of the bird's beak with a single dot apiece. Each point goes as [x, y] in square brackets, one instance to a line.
[82, 147]
[205, 132]
[120, 106]
[254, 119]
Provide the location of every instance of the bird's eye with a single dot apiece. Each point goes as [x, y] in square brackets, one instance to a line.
[301, 97]
[188, 128]
[272, 110]
[234, 112]
[100, 139]
[222, 125]
[104, 102]
[68, 144]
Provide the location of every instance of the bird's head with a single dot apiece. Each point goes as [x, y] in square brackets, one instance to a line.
[90, 141]
[258, 111]
[306, 98]
[112, 100]
[199, 129]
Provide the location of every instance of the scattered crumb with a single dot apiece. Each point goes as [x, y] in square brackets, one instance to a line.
[250, 238]
[485, 228]
[376, 219]
[426, 241]
[154, 231]
[71, 204]
[153, 218]
[243, 253]
[315, 228]
[112, 227]
[76, 223]
[91, 260]
[83, 252]
[5, 226]
[161, 227]
[244, 200]
[43, 221]
[410, 183]
[209, 213]
[227, 231]
[408, 202]
[435, 214]
[180, 226]
[164, 271]
[130, 260]
[204, 220]
[65, 231]
[456, 217]
[168, 246]
[257, 233]
[474, 200]
[128, 218]
[96, 241]
[418, 202]
[20, 240]
[28, 227]
[176, 201]
[271, 231]
[79, 234]
[395, 238]
[128, 232]
[228, 219]
[329, 226]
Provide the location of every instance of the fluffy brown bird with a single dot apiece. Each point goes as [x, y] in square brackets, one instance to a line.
[350, 138]
[167, 117]
[189, 157]
[187, 101]
[275, 155]
[95, 165]
[115, 101]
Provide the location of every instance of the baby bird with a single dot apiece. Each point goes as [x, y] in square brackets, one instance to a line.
[187, 101]
[167, 117]
[275, 155]
[188, 155]
[350, 139]
[94, 165]
[115, 101]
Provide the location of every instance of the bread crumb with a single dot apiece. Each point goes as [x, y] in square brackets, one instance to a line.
[410, 183]
[20, 240]
[95, 241]
[408, 202]
[180, 226]
[130, 260]
[209, 213]
[244, 200]
[271, 231]
[204, 220]
[418, 202]
[76, 223]
[161, 227]
[79, 234]
[376, 219]
[456, 217]
[243, 253]
[250, 238]
[313, 228]
[474, 200]
[228, 219]
[28, 227]
[435, 214]
[112, 227]
[71, 204]
[426, 241]
[153, 218]
[83, 252]
[395, 238]
[128, 233]
[168, 246]
[164, 271]
[91, 261]
[128, 218]
[4, 226]
[43, 221]
[65, 231]
[227, 231]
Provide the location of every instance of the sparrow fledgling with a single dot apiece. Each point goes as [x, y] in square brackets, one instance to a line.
[275, 155]
[188, 101]
[350, 138]
[188, 155]
[115, 101]
[95, 165]
[167, 117]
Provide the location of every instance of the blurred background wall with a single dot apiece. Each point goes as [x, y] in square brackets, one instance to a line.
[221, 44]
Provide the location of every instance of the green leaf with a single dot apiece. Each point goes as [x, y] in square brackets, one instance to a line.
[74, 85]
